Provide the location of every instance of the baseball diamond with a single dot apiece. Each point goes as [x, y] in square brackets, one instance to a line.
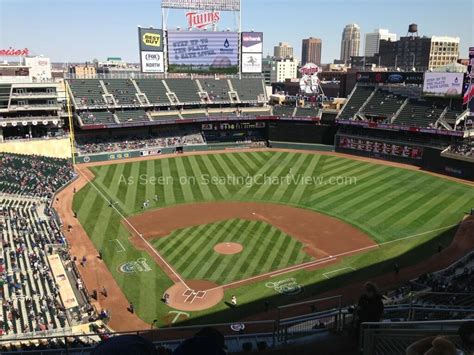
[194, 202]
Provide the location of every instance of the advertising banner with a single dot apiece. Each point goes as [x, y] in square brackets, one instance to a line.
[215, 52]
[443, 84]
[150, 39]
[152, 62]
[252, 42]
[390, 77]
[384, 148]
[251, 62]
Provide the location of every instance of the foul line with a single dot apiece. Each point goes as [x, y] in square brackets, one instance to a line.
[136, 231]
[120, 245]
[333, 271]
[327, 259]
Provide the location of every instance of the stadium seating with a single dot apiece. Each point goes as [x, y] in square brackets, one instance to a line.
[248, 89]
[87, 92]
[383, 104]
[418, 113]
[32, 176]
[97, 117]
[185, 89]
[283, 111]
[451, 116]
[123, 91]
[218, 90]
[357, 99]
[4, 95]
[306, 112]
[154, 90]
[132, 116]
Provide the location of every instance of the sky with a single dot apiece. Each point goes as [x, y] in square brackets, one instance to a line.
[81, 30]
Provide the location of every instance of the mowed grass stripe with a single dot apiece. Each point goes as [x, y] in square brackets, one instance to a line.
[250, 161]
[168, 243]
[207, 254]
[185, 187]
[279, 244]
[426, 217]
[432, 217]
[315, 162]
[152, 182]
[225, 165]
[374, 205]
[382, 191]
[168, 190]
[367, 186]
[286, 255]
[212, 171]
[411, 204]
[133, 190]
[276, 192]
[196, 243]
[142, 185]
[329, 191]
[234, 162]
[223, 170]
[189, 241]
[269, 243]
[268, 170]
[250, 254]
[208, 191]
[218, 262]
[224, 271]
[245, 161]
[125, 174]
[201, 243]
[177, 187]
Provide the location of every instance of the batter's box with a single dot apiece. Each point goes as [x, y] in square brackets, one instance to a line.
[188, 292]
[200, 294]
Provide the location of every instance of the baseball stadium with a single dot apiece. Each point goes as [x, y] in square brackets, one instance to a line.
[186, 206]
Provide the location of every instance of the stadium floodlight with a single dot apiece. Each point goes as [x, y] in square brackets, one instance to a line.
[216, 5]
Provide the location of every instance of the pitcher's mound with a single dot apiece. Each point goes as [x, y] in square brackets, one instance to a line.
[228, 248]
[196, 295]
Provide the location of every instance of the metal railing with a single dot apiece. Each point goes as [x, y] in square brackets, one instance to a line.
[382, 338]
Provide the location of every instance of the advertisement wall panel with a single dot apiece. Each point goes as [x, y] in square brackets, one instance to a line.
[443, 84]
[203, 52]
[252, 42]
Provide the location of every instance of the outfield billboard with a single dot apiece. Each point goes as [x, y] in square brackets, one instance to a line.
[252, 42]
[448, 85]
[152, 62]
[150, 43]
[200, 51]
[150, 39]
[251, 62]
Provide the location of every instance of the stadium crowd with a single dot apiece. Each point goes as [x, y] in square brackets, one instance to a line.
[33, 176]
[466, 149]
[134, 142]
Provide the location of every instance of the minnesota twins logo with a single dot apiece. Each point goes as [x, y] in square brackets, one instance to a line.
[286, 286]
[135, 266]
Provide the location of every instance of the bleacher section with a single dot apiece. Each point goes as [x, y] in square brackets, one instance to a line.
[154, 90]
[4, 95]
[418, 113]
[249, 90]
[218, 90]
[383, 104]
[357, 99]
[31, 298]
[283, 111]
[123, 91]
[185, 89]
[97, 117]
[132, 116]
[87, 92]
[193, 114]
[306, 112]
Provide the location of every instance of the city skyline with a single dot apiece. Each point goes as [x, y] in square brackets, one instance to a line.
[111, 30]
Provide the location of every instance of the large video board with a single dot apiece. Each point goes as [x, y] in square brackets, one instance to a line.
[443, 84]
[200, 51]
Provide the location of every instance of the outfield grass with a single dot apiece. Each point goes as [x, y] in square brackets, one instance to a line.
[266, 248]
[386, 202]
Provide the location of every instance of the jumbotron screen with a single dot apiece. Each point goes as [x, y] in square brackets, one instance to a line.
[197, 52]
